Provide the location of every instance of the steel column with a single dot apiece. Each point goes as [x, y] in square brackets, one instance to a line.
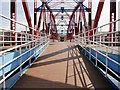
[90, 14]
[13, 12]
[112, 18]
[35, 14]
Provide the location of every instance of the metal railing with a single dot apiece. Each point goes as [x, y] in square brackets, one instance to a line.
[23, 42]
[20, 37]
[102, 45]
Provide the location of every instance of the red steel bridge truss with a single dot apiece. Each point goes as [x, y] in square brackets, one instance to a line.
[75, 18]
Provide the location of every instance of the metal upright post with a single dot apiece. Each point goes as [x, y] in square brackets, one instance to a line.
[90, 52]
[30, 54]
[85, 42]
[3, 38]
[82, 42]
[20, 61]
[16, 40]
[100, 39]
[35, 50]
[106, 60]
[93, 39]
[112, 37]
[26, 37]
[3, 70]
[96, 54]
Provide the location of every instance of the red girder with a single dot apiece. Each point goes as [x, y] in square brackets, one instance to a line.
[35, 14]
[39, 22]
[112, 18]
[99, 10]
[90, 14]
[83, 14]
[48, 7]
[46, 23]
[13, 15]
[27, 14]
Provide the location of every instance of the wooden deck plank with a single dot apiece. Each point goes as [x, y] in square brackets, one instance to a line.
[62, 66]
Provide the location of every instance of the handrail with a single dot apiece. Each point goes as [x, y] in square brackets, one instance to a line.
[97, 41]
[16, 21]
[1, 81]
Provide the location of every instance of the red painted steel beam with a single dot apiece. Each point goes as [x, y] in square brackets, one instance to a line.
[90, 14]
[83, 13]
[35, 14]
[27, 14]
[39, 22]
[13, 12]
[46, 24]
[70, 20]
[48, 7]
[97, 17]
[112, 18]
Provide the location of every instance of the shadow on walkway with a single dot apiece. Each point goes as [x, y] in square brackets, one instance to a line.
[85, 71]
[57, 73]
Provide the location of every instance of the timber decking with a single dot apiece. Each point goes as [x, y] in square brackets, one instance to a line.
[62, 66]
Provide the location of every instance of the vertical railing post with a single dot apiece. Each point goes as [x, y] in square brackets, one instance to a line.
[100, 38]
[90, 51]
[93, 39]
[32, 35]
[30, 54]
[16, 40]
[26, 36]
[106, 60]
[42, 41]
[3, 70]
[10, 38]
[3, 38]
[96, 54]
[21, 38]
[89, 42]
[82, 42]
[85, 43]
[35, 49]
[112, 37]
[20, 61]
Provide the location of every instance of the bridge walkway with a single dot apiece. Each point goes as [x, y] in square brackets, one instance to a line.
[62, 66]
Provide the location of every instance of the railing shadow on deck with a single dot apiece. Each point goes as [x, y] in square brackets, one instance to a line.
[85, 71]
[29, 82]
[53, 54]
[87, 68]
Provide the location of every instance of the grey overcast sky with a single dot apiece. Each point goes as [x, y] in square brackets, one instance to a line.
[5, 10]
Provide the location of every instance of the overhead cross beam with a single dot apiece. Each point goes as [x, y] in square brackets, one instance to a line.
[67, 10]
[64, 25]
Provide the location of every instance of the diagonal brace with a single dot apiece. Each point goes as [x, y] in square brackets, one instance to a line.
[43, 5]
[81, 5]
